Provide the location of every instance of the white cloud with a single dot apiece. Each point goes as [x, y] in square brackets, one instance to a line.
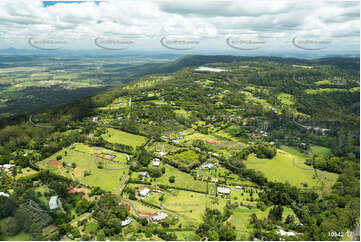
[154, 19]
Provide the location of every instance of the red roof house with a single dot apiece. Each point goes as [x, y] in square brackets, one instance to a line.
[75, 190]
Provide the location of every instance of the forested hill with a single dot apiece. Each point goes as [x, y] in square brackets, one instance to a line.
[197, 60]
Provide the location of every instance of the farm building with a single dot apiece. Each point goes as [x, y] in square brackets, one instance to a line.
[224, 190]
[53, 202]
[158, 216]
[144, 192]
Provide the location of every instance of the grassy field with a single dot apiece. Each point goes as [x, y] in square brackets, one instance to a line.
[241, 215]
[191, 204]
[106, 179]
[121, 137]
[182, 179]
[281, 169]
[319, 150]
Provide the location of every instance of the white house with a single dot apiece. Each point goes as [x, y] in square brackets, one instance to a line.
[144, 192]
[3, 194]
[53, 202]
[238, 187]
[143, 173]
[158, 216]
[6, 166]
[127, 221]
[284, 233]
[156, 163]
[162, 153]
[224, 190]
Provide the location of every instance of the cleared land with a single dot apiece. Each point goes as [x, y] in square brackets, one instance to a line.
[85, 163]
[282, 169]
[121, 137]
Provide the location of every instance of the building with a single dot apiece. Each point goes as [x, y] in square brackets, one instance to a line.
[3, 194]
[158, 216]
[238, 187]
[6, 166]
[156, 163]
[144, 192]
[53, 202]
[207, 166]
[212, 142]
[162, 153]
[281, 232]
[76, 190]
[127, 221]
[224, 190]
[143, 173]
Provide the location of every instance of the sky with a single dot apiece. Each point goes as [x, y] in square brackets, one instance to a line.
[183, 26]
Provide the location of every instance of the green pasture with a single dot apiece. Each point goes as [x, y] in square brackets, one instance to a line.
[109, 180]
[121, 137]
[282, 169]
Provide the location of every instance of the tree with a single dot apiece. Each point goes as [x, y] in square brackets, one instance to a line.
[213, 235]
[59, 157]
[275, 214]
[172, 179]
[290, 219]
[101, 235]
[7, 207]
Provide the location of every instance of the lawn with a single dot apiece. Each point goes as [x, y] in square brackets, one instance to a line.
[282, 169]
[121, 137]
[106, 179]
[182, 179]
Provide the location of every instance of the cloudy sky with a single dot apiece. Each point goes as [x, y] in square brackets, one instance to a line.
[182, 25]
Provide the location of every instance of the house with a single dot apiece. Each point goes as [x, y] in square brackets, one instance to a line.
[53, 202]
[95, 119]
[284, 233]
[156, 163]
[212, 142]
[214, 179]
[3, 194]
[76, 190]
[224, 190]
[164, 137]
[7, 166]
[143, 173]
[238, 187]
[175, 141]
[254, 136]
[207, 166]
[162, 153]
[158, 216]
[144, 192]
[127, 221]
